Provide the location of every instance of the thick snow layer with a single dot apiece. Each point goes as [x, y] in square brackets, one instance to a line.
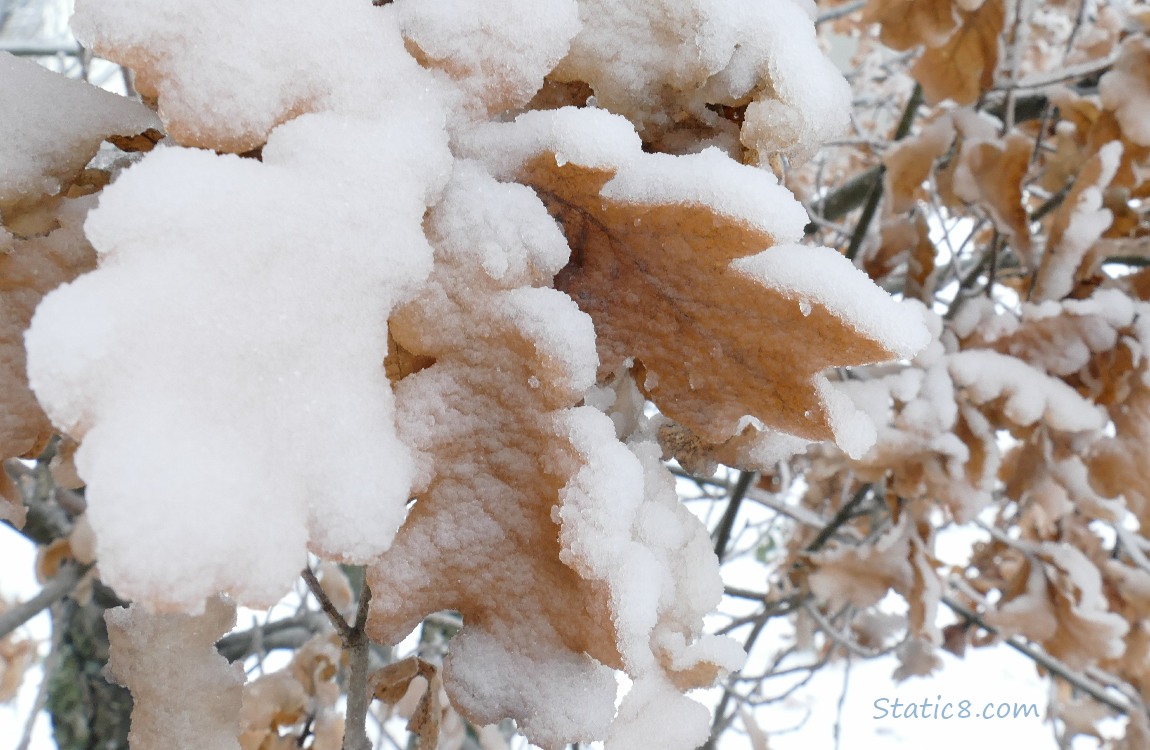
[819, 274]
[225, 87]
[658, 62]
[497, 51]
[229, 344]
[1028, 394]
[52, 126]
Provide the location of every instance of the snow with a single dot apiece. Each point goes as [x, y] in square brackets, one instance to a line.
[226, 88]
[653, 61]
[230, 346]
[52, 127]
[711, 178]
[496, 51]
[1029, 394]
[824, 276]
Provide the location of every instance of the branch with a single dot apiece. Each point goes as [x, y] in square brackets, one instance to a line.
[727, 522]
[875, 191]
[289, 633]
[53, 591]
[1049, 663]
[358, 647]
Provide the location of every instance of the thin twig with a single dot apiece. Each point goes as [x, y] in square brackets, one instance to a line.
[53, 591]
[1049, 663]
[875, 192]
[358, 698]
[842, 701]
[329, 609]
[727, 522]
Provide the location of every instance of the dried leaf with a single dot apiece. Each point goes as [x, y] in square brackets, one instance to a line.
[1125, 89]
[909, 23]
[1076, 225]
[30, 268]
[504, 527]
[1063, 608]
[991, 174]
[909, 162]
[963, 67]
[662, 280]
[391, 683]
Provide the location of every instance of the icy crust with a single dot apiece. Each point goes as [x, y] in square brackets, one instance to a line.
[52, 127]
[227, 345]
[659, 62]
[201, 708]
[496, 51]
[230, 92]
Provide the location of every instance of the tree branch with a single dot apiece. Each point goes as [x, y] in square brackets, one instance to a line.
[727, 522]
[53, 591]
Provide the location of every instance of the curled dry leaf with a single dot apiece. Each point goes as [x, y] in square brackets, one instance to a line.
[1061, 605]
[16, 656]
[1076, 225]
[1125, 89]
[991, 173]
[910, 161]
[391, 683]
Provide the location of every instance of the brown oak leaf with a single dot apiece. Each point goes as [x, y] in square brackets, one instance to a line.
[991, 173]
[726, 319]
[963, 67]
[909, 23]
[512, 526]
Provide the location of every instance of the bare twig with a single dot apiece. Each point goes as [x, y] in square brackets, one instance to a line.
[329, 608]
[843, 10]
[53, 591]
[727, 522]
[358, 647]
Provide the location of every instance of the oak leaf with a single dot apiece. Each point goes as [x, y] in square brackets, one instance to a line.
[1076, 225]
[513, 526]
[686, 273]
[963, 67]
[991, 174]
[909, 23]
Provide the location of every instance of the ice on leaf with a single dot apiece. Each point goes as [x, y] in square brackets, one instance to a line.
[201, 708]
